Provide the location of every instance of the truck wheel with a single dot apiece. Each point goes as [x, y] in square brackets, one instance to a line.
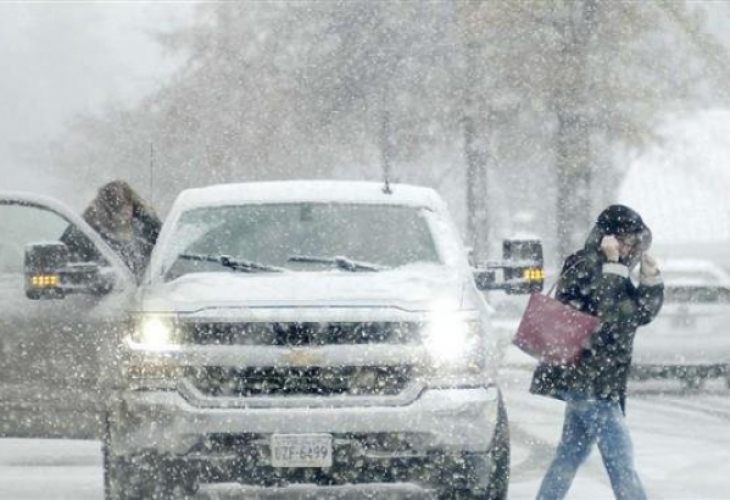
[140, 478]
[499, 459]
[122, 480]
[136, 478]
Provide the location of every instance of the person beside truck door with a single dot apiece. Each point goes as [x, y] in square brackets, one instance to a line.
[125, 222]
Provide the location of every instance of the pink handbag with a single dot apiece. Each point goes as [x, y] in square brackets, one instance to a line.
[553, 332]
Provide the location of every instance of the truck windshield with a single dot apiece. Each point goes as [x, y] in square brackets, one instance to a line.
[270, 234]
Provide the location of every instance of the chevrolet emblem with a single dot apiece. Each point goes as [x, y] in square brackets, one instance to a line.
[302, 357]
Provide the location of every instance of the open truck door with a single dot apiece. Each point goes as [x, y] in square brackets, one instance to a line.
[63, 300]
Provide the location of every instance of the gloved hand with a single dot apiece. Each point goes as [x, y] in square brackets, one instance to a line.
[649, 266]
[610, 248]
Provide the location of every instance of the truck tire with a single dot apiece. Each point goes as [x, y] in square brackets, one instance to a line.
[120, 482]
[141, 478]
[137, 478]
[499, 459]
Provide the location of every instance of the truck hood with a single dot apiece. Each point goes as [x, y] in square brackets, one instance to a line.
[411, 288]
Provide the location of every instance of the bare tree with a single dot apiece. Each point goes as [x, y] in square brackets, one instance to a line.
[311, 89]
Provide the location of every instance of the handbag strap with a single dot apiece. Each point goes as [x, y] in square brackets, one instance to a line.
[562, 275]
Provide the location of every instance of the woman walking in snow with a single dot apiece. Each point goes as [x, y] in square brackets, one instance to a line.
[596, 280]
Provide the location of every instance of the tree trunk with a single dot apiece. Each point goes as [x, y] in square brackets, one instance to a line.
[468, 16]
[573, 133]
[572, 159]
[476, 195]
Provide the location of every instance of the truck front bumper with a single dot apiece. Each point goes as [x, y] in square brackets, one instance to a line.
[444, 420]
[234, 491]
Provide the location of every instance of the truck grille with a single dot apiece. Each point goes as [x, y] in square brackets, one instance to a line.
[300, 381]
[300, 334]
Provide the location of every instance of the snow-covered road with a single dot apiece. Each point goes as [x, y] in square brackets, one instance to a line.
[681, 441]
[682, 448]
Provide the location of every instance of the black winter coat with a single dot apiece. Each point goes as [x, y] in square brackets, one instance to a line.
[602, 369]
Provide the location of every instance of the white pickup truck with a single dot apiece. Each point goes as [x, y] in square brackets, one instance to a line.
[303, 338]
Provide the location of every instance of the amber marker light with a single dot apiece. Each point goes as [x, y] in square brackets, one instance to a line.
[533, 274]
[44, 280]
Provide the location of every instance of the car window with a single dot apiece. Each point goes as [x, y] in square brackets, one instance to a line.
[273, 233]
[690, 276]
[697, 294]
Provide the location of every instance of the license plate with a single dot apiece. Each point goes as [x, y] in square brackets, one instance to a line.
[301, 450]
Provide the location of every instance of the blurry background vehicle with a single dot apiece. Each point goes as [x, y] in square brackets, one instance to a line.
[689, 339]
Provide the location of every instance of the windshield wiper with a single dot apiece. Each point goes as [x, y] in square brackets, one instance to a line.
[245, 266]
[341, 262]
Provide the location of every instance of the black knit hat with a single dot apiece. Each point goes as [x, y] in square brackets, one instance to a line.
[620, 219]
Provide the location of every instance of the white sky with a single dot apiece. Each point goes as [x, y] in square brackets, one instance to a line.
[681, 186]
[60, 59]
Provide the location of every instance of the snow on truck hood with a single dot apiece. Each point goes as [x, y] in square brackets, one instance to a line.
[409, 289]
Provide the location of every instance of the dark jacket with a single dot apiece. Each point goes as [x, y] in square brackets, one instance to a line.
[135, 253]
[593, 285]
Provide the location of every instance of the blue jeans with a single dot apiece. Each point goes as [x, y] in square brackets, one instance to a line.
[588, 421]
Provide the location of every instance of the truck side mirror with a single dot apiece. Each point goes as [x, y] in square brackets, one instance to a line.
[522, 269]
[49, 274]
[43, 265]
[526, 271]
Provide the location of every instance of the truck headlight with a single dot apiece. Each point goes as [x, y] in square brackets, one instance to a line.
[156, 331]
[454, 343]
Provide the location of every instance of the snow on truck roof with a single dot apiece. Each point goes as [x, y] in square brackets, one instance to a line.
[308, 191]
